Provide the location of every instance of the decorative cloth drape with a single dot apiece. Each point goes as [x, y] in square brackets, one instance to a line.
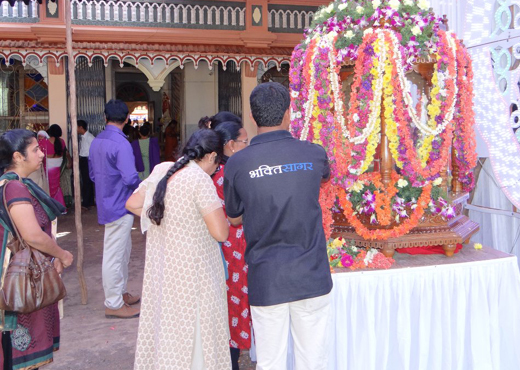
[454, 316]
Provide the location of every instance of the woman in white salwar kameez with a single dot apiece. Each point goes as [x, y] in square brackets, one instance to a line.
[183, 323]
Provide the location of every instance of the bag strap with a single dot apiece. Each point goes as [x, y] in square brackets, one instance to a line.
[18, 236]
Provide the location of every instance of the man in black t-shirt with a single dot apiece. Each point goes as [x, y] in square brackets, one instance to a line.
[273, 187]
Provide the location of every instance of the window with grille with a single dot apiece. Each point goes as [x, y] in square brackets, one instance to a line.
[229, 89]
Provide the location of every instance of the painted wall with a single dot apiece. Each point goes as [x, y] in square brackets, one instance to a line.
[57, 84]
[200, 98]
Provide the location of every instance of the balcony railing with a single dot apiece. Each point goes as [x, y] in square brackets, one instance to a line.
[221, 15]
[19, 12]
[290, 19]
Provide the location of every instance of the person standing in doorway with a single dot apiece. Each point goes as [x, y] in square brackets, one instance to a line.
[87, 186]
[274, 184]
[146, 152]
[112, 169]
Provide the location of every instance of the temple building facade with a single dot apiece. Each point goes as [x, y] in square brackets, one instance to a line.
[168, 60]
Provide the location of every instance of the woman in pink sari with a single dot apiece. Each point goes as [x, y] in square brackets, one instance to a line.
[55, 151]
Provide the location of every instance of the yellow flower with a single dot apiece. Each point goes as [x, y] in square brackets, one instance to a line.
[357, 186]
[477, 246]
[437, 181]
[359, 9]
[416, 30]
[402, 183]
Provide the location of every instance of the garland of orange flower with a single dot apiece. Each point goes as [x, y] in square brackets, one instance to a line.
[464, 135]
[383, 196]
[382, 234]
[327, 199]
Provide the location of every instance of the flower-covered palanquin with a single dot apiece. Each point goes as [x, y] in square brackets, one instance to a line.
[393, 144]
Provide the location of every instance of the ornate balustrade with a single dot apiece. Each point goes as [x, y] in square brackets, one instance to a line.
[20, 12]
[289, 19]
[219, 15]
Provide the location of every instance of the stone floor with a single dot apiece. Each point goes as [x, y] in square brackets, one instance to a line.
[89, 341]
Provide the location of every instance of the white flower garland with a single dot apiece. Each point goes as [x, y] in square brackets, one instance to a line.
[425, 128]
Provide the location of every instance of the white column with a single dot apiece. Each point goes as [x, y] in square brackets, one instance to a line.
[57, 84]
[249, 82]
[200, 98]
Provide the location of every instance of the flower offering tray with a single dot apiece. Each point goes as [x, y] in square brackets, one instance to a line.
[432, 230]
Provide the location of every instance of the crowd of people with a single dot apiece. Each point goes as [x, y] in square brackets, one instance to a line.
[235, 248]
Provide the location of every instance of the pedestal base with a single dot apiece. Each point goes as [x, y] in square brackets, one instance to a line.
[430, 232]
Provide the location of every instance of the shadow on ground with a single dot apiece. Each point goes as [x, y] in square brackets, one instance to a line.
[88, 340]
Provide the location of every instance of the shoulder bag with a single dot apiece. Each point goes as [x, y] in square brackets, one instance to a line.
[30, 281]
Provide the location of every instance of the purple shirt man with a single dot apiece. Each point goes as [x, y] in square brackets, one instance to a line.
[112, 168]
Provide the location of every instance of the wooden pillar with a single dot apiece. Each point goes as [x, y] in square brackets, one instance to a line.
[385, 157]
[75, 152]
[456, 186]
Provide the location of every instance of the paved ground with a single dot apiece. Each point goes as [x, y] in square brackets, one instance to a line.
[88, 339]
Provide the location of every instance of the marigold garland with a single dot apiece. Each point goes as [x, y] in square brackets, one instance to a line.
[464, 135]
[384, 234]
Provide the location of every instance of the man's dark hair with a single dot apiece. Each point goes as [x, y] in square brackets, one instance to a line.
[116, 111]
[145, 129]
[269, 101]
[83, 124]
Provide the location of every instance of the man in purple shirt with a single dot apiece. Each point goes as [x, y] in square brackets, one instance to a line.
[112, 169]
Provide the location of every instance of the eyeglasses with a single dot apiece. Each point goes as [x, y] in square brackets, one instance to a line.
[242, 141]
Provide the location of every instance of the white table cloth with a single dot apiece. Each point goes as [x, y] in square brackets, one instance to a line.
[455, 316]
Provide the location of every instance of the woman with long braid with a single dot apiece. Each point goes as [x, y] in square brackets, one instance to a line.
[183, 323]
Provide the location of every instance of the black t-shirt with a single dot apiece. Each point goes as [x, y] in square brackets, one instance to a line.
[274, 184]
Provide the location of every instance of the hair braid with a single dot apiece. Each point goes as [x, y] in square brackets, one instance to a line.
[198, 146]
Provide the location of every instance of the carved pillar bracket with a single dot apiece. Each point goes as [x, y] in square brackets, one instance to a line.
[156, 84]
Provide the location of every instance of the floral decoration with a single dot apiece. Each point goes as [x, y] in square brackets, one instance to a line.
[414, 20]
[344, 254]
[383, 39]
